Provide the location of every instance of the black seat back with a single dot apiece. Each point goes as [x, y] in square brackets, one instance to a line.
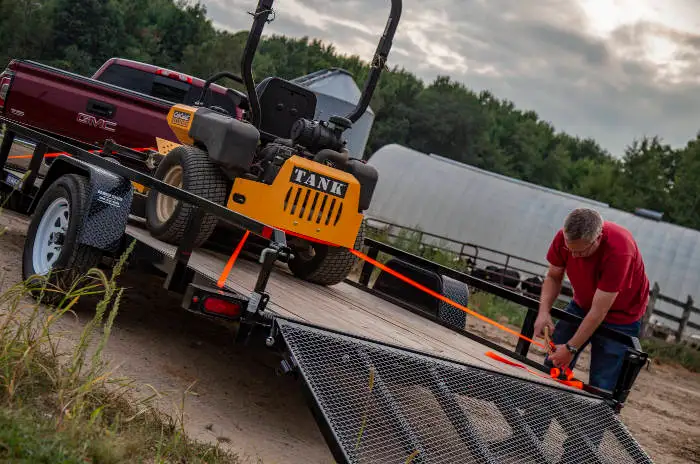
[281, 104]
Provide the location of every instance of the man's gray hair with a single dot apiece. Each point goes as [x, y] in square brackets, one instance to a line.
[583, 224]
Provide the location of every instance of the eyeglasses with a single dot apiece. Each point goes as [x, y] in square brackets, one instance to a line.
[583, 251]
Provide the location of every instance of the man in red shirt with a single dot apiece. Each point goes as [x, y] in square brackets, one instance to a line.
[610, 286]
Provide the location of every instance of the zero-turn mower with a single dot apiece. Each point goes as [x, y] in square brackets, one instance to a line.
[276, 165]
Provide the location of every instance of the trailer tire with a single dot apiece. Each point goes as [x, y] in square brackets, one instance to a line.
[329, 265]
[190, 169]
[58, 217]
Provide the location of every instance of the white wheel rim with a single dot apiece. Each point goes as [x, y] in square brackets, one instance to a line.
[50, 236]
[165, 205]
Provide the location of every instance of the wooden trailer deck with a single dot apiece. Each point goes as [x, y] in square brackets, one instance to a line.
[342, 307]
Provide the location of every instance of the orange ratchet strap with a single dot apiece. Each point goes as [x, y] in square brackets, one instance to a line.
[443, 298]
[231, 261]
[57, 154]
[572, 383]
[554, 373]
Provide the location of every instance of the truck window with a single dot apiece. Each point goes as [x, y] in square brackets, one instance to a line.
[214, 99]
[128, 78]
[146, 83]
[169, 89]
[160, 87]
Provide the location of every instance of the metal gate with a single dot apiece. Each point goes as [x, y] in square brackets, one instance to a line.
[382, 404]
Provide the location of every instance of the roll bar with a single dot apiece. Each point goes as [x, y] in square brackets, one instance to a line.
[261, 15]
[378, 61]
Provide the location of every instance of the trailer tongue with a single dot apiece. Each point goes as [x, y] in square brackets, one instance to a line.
[381, 403]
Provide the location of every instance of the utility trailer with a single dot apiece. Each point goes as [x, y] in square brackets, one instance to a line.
[389, 369]
[390, 376]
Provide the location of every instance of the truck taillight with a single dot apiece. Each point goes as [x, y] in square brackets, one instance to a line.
[5, 82]
[174, 75]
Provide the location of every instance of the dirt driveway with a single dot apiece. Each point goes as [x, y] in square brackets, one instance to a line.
[243, 405]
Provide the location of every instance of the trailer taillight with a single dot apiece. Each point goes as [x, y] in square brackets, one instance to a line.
[222, 307]
[5, 82]
[174, 75]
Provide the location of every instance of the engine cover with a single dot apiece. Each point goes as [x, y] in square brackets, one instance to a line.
[305, 198]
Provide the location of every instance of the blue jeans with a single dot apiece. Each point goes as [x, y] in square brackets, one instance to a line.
[606, 355]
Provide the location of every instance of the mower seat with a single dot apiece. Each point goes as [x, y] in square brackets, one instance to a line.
[281, 104]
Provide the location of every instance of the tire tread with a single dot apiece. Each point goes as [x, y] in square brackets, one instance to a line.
[203, 178]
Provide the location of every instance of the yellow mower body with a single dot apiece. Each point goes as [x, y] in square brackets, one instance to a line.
[306, 198]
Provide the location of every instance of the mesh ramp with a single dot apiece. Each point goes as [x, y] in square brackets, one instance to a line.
[387, 405]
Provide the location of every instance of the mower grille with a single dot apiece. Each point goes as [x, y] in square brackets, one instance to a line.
[387, 405]
[313, 206]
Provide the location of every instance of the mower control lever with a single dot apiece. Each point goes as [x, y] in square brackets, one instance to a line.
[202, 96]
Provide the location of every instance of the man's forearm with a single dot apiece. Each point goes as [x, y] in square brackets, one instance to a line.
[550, 290]
[602, 301]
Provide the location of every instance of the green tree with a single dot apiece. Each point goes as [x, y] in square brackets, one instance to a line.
[646, 176]
[442, 117]
[685, 196]
[86, 33]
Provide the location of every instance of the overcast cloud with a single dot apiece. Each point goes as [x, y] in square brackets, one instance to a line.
[613, 70]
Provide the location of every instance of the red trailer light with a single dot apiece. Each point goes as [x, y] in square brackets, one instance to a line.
[225, 308]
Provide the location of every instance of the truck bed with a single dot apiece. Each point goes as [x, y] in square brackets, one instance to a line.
[342, 307]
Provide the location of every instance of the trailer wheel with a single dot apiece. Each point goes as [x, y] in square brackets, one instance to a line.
[324, 264]
[191, 169]
[51, 253]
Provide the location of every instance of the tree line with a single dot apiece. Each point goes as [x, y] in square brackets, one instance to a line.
[442, 116]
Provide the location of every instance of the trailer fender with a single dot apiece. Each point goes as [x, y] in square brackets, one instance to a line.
[110, 199]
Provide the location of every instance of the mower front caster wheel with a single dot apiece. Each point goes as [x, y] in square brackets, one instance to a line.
[190, 169]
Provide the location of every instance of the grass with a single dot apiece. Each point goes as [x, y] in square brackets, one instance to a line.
[676, 354]
[63, 405]
[498, 309]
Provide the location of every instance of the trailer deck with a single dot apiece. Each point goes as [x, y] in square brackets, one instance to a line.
[342, 307]
[388, 385]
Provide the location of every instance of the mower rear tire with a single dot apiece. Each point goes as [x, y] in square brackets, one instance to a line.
[190, 169]
[52, 259]
[328, 265]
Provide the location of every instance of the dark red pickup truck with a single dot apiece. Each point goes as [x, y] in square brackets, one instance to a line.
[125, 101]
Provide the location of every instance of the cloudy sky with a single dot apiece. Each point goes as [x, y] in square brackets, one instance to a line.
[613, 70]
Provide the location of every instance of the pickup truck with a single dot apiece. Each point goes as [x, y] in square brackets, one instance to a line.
[125, 101]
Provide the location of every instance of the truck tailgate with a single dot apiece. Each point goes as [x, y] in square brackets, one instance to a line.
[84, 109]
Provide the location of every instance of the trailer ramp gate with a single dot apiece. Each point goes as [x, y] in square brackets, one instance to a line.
[377, 403]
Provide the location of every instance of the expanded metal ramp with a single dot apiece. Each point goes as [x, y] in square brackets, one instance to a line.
[386, 405]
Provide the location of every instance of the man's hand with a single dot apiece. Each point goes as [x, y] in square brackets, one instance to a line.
[561, 356]
[543, 319]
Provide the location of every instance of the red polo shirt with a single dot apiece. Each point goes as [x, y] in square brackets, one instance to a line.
[616, 266]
